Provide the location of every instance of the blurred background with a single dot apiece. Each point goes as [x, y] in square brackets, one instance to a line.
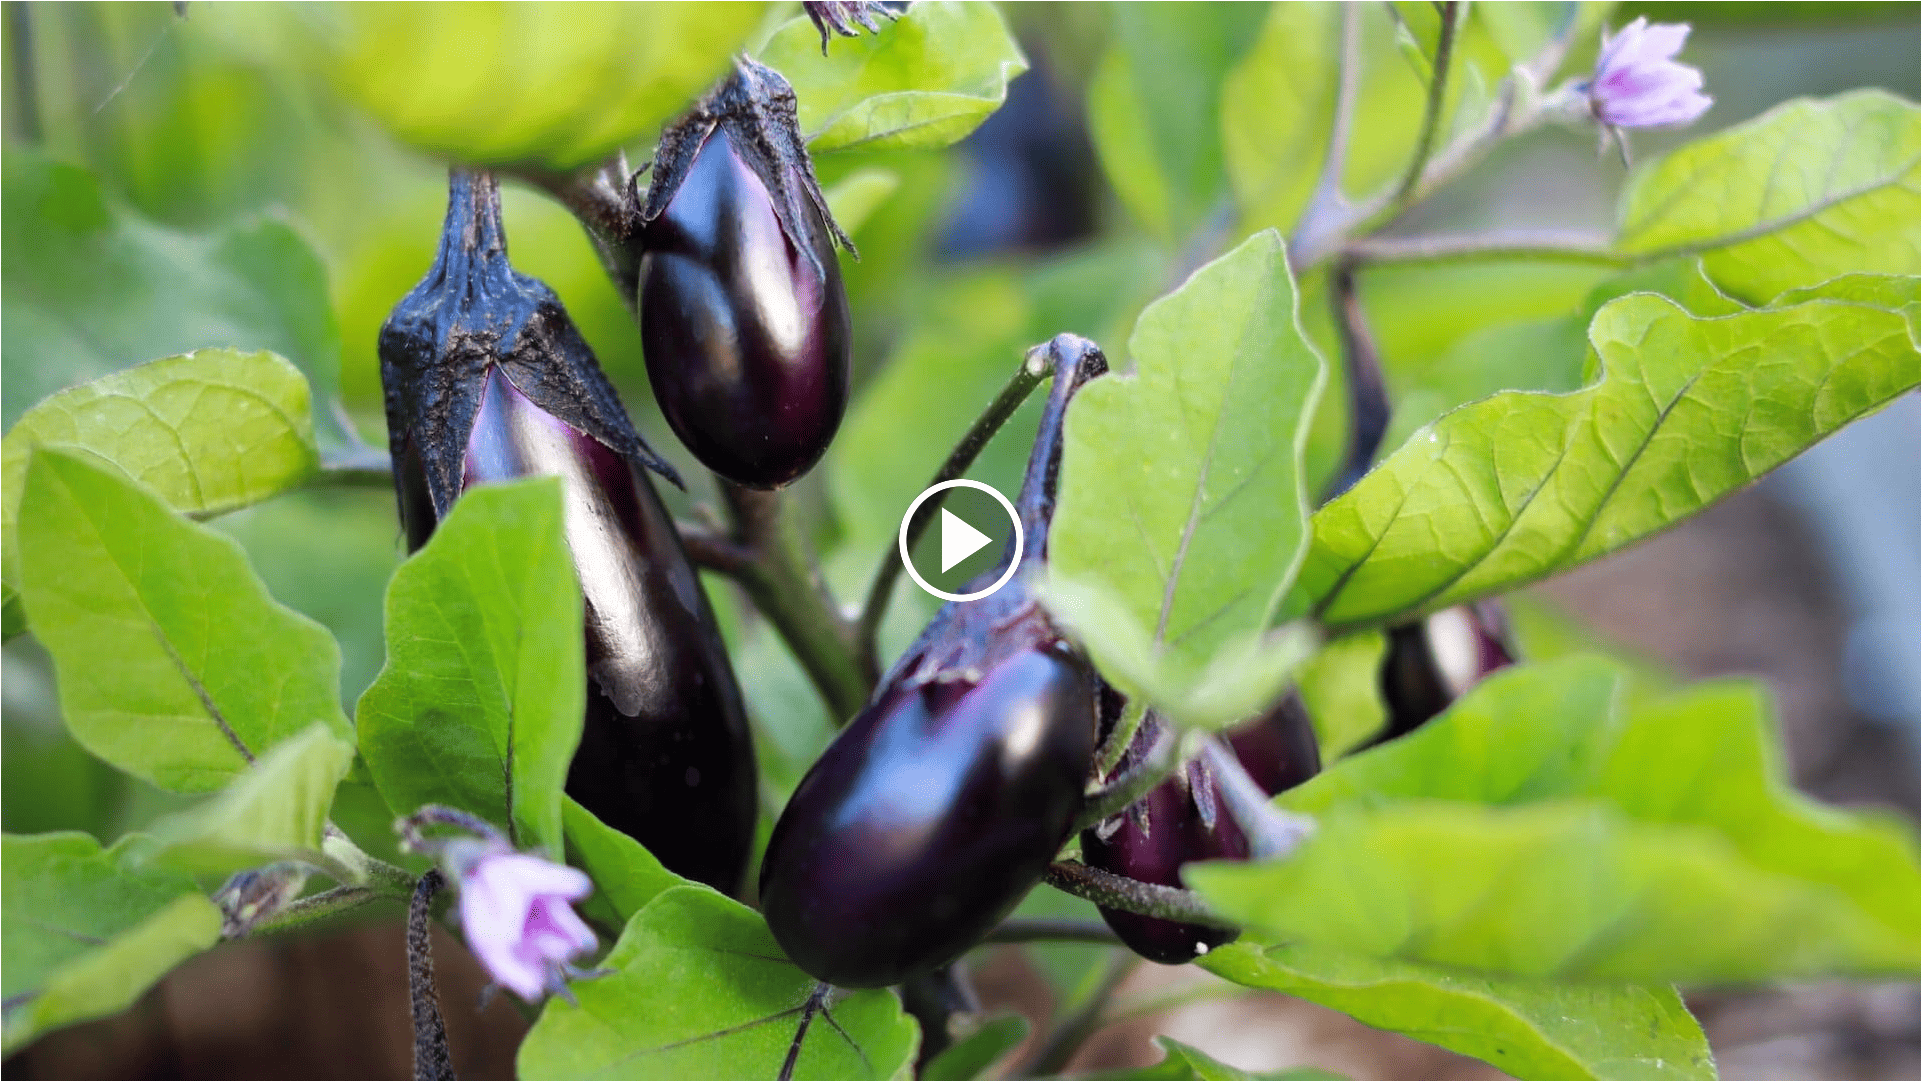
[189, 117]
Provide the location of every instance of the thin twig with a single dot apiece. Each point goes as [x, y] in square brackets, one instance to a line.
[432, 1062]
[714, 549]
[1074, 1029]
[1436, 104]
[1122, 737]
[1025, 378]
[786, 585]
[1558, 245]
[1129, 895]
[1325, 205]
[1155, 767]
[1016, 931]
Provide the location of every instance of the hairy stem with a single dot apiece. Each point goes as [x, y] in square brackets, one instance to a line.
[1073, 1030]
[1271, 832]
[1129, 895]
[1017, 931]
[785, 584]
[1019, 386]
[432, 1062]
[1122, 737]
[319, 907]
[1156, 766]
[1436, 104]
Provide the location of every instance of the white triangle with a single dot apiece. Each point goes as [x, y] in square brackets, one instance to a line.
[958, 540]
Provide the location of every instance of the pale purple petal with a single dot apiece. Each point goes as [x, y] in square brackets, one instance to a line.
[510, 966]
[1637, 84]
[518, 921]
[532, 875]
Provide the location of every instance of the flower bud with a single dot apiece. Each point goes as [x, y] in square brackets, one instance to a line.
[488, 380]
[1637, 83]
[742, 312]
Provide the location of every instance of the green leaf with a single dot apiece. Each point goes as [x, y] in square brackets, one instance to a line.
[1341, 687]
[702, 990]
[554, 86]
[857, 195]
[1523, 485]
[107, 288]
[84, 932]
[972, 1056]
[210, 431]
[1807, 191]
[926, 80]
[1535, 1030]
[173, 662]
[1182, 495]
[626, 876]
[1545, 827]
[1184, 1063]
[479, 706]
[274, 811]
[1153, 108]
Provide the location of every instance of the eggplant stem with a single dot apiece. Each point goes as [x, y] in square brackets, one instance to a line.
[432, 1061]
[1131, 895]
[1125, 728]
[1025, 378]
[1154, 768]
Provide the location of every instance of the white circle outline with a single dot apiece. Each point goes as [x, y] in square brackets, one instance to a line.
[1020, 540]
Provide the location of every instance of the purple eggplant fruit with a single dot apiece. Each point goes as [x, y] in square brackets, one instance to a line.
[742, 313]
[488, 380]
[1183, 820]
[1433, 661]
[928, 819]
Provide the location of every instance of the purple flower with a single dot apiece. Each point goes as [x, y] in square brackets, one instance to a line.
[518, 914]
[1638, 84]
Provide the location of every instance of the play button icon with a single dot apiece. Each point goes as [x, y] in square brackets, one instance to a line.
[970, 550]
[958, 540]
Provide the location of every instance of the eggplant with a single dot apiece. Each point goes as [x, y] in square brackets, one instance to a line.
[1182, 821]
[1433, 661]
[488, 380]
[936, 810]
[743, 315]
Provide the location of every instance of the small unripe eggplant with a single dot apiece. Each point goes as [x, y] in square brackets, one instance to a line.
[487, 380]
[1182, 821]
[928, 819]
[1433, 661]
[742, 312]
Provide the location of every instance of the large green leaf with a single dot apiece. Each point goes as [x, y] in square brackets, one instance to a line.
[84, 932]
[90, 287]
[172, 660]
[626, 876]
[1154, 103]
[1810, 190]
[701, 990]
[1534, 1030]
[479, 706]
[274, 811]
[1523, 485]
[210, 431]
[550, 85]
[927, 80]
[1547, 827]
[1181, 497]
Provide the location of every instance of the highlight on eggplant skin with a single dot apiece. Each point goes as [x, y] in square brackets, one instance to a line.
[940, 806]
[743, 314]
[1182, 821]
[487, 380]
[1433, 661]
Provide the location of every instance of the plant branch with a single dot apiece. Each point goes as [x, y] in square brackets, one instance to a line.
[1325, 206]
[1128, 895]
[320, 907]
[1368, 409]
[1074, 1029]
[432, 1062]
[783, 582]
[1559, 245]
[1436, 105]
[1115, 748]
[1120, 793]
[1026, 377]
[1017, 931]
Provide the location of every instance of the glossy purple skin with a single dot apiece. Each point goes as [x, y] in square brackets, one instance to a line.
[1278, 750]
[1418, 683]
[748, 343]
[665, 755]
[928, 819]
